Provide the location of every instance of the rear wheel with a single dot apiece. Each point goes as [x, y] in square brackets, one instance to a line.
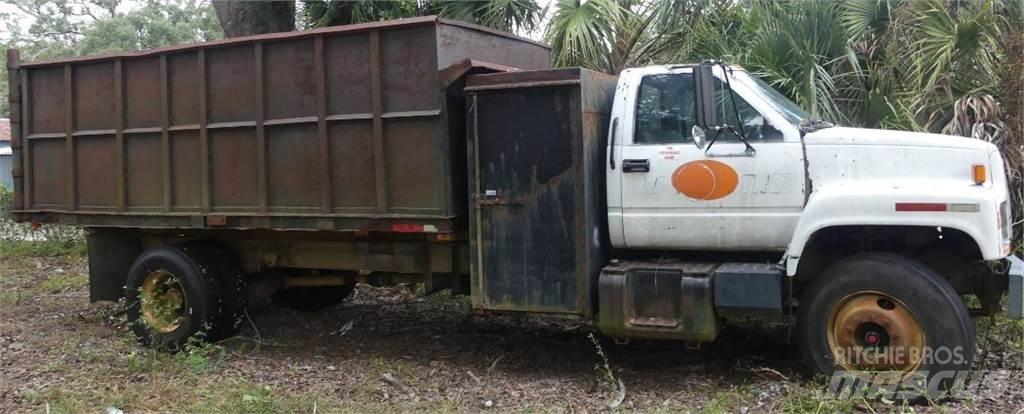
[889, 320]
[226, 270]
[171, 295]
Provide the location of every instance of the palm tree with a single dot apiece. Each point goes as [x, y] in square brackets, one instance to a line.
[868, 24]
[611, 35]
[950, 51]
[324, 13]
[581, 34]
[519, 16]
[798, 47]
[508, 15]
[801, 49]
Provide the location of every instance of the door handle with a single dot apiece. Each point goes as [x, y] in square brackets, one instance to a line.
[636, 166]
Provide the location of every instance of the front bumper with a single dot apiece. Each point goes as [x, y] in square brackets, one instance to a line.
[1016, 287]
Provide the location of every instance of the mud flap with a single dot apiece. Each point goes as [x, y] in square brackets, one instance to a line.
[1016, 288]
[111, 253]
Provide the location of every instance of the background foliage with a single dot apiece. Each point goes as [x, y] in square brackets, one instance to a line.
[24, 239]
[945, 66]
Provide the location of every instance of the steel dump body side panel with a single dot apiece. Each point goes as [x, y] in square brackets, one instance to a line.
[537, 177]
[15, 99]
[322, 130]
[454, 41]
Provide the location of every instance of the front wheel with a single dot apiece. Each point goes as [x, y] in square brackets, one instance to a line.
[886, 319]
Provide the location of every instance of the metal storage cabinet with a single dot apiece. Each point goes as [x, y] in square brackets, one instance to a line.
[343, 128]
[537, 167]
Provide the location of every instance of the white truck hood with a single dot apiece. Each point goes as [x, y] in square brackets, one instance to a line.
[865, 136]
[851, 156]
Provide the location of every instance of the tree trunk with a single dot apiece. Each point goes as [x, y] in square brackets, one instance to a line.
[246, 17]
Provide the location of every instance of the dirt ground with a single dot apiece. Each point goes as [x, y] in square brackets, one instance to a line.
[391, 350]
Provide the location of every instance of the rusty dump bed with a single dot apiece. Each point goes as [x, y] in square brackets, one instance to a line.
[355, 127]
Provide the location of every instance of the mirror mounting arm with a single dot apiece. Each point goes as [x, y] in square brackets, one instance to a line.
[705, 105]
[718, 131]
[742, 135]
[750, 148]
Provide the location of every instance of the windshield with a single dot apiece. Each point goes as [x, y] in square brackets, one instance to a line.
[789, 109]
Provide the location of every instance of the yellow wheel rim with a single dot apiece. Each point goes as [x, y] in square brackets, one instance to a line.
[163, 301]
[872, 331]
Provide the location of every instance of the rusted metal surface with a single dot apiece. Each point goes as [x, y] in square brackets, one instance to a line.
[321, 129]
[408, 257]
[873, 331]
[352, 28]
[658, 300]
[14, 98]
[537, 177]
[459, 69]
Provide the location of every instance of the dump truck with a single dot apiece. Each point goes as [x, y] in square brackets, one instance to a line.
[661, 203]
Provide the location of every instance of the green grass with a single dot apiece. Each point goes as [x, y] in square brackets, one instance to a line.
[200, 356]
[194, 395]
[23, 248]
[8, 298]
[731, 400]
[62, 282]
[251, 399]
[800, 398]
[810, 398]
[56, 402]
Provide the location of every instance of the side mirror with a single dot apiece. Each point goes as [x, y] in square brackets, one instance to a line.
[698, 136]
[704, 94]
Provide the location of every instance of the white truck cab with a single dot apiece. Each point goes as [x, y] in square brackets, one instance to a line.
[878, 232]
[664, 192]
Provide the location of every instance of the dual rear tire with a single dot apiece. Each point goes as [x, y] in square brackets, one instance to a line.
[173, 293]
[197, 290]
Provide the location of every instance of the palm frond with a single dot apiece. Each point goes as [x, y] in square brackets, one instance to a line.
[581, 34]
[507, 15]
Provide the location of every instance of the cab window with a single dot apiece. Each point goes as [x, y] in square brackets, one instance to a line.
[664, 109]
[756, 128]
[665, 112]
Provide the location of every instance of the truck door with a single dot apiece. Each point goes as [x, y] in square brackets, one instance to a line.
[677, 196]
[525, 211]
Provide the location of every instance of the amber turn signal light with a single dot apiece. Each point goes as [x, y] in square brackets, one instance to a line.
[979, 174]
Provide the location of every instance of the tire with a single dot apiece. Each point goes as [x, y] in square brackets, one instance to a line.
[230, 309]
[311, 298]
[844, 304]
[170, 295]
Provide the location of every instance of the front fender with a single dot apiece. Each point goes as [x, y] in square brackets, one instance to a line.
[873, 203]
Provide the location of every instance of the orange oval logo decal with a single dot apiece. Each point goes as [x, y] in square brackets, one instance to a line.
[705, 180]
